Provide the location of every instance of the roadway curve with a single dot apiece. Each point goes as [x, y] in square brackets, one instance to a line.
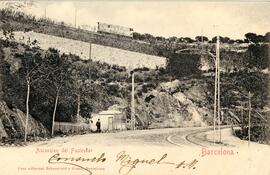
[181, 137]
[195, 138]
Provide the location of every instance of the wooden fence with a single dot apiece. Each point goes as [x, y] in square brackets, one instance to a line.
[67, 127]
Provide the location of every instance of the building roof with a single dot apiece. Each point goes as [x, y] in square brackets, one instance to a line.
[110, 112]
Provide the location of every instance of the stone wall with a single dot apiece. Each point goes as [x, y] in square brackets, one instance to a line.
[97, 52]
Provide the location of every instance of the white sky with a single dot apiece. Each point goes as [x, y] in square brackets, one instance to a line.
[160, 18]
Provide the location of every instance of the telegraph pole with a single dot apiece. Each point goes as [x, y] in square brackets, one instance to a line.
[242, 115]
[216, 91]
[45, 13]
[90, 56]
[202, 36]
[133, 103]
[249, 116]
[75, 17]
[90, 50]
[218, 88]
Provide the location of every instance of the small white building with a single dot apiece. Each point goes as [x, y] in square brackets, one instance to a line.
[114, 29]
[109, 120]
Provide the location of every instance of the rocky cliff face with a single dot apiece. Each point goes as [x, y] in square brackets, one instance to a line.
[172, 104]
[12, 123]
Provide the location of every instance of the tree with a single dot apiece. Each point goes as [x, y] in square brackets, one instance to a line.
[149, 37]
[225, 39]
[18, 5]
[79, 76]
[214, 39]
[30, 70]
[260, 39]
[143, 37]
[201, 38]
[251, 37]
[183, 64]
[187, 40]
[160, 38]
[239, 41]
[258, 56]
[231, 41]
[8, 33]
[221, 39]
[267, 37]
[138, 36]
[172, 39]
[58, 69]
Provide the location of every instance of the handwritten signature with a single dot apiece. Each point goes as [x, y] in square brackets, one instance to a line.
[127, 163]
[56, 159]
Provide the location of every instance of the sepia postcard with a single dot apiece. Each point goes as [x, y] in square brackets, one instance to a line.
[134, 87]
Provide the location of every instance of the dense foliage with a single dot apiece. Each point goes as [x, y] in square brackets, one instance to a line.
[85, 87]
[51, 72]
[184, 64]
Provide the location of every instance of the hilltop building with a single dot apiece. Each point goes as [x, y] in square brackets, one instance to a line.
[114, 29]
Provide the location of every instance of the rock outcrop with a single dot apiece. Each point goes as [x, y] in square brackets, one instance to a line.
[173, 105]
[12, 124]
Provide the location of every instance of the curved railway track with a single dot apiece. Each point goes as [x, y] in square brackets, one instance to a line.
[190, 138]
[187, 138]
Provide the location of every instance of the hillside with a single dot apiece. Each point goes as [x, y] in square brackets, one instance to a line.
[19, 21]
[173, 92]
[142, 43]
[105, 47]
[12, 123]
[162, 99]
[84, 50]
[94, 87]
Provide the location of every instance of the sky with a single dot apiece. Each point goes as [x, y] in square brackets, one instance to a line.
[165, 18]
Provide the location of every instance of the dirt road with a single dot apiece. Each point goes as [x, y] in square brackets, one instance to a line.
[178, 144]
[182, 137]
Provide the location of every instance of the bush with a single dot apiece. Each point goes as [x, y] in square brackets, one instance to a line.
[185, 64]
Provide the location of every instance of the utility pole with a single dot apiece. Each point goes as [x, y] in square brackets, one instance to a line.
[249, 116]
[45, 13]
[75, 17]
[202, 36]
[216, 91]
[132, 103]
[90, 56]
[218, 88]
[90, 50]
[242, 116]
[202, 40]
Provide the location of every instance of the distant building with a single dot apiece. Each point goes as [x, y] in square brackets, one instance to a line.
[110, 120]
[114, 29]
[88, 27]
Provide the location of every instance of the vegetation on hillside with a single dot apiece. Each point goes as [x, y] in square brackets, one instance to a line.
[149, 44]
[81, 87]
[49, 85]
